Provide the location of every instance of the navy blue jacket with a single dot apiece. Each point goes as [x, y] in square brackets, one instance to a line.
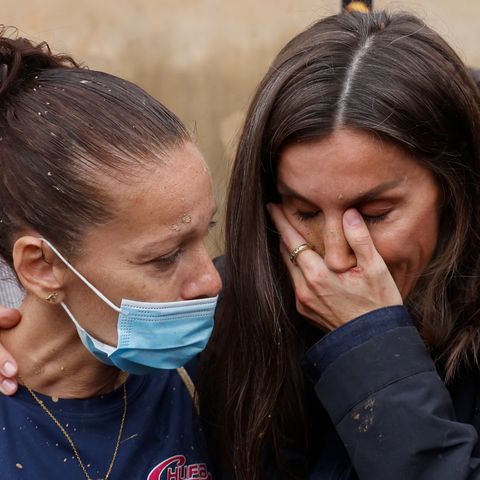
[390, 409]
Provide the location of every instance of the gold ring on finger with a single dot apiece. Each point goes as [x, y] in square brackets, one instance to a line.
[297, 251]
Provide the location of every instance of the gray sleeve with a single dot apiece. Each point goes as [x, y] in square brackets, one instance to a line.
[11, 292]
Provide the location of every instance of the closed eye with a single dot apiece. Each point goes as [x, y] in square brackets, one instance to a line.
[372, 219]
[369, 219]
[167, 260]
[305, 216]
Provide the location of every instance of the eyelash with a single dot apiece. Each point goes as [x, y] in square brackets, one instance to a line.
[368, 219]
[305, 216]
[167, 260]
[371, 220]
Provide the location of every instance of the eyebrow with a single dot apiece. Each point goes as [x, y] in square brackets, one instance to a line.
[185, 233]
[363, 198]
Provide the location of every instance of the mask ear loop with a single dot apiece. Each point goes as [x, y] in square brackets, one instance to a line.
[82, 278]
[105, 348]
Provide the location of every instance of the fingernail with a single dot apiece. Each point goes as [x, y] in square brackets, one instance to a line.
[7, 386]
[353, 218]
[9, 369]
[5, 312]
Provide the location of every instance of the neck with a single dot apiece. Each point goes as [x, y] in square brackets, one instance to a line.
[51, 357]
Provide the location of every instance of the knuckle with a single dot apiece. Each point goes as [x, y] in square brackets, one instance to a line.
[379, 270]
[300, 309]
[302, 297]
[315, 277]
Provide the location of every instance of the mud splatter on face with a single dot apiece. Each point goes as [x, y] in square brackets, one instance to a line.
[184, 220]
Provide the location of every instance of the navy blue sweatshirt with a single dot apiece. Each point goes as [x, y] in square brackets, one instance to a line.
[162, 439]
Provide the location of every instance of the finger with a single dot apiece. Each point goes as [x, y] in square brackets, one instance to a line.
[299, 283]
[358, 237]
[8, 370]
[290, 237]
[296, 274]
[9, 317]
[303, 295]
[8, 386]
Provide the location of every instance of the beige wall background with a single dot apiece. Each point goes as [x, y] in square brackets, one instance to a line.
[203, 58]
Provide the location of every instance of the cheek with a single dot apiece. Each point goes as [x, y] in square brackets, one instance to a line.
[408, 248]
[153, 290]
[169, 285]
[394, 247]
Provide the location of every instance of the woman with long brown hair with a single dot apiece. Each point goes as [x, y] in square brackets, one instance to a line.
[355, 190]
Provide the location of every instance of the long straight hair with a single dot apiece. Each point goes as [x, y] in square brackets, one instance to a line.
[395, 78]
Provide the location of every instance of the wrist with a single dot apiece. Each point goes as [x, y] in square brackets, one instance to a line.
[351, 335]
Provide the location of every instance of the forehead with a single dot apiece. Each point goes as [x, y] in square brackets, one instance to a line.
[347, 160]
[176, 188]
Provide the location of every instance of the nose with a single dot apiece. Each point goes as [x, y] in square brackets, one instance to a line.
[204, 280]
[336, 252]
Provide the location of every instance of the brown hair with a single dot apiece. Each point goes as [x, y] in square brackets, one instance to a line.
[61, 128]
[476, 75]
[391, 76]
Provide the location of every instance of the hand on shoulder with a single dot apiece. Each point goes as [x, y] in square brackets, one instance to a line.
[9, 317]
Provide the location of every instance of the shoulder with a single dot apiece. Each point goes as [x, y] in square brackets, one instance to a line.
[176, 385]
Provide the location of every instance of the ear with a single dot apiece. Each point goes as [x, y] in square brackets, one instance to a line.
[38, 269]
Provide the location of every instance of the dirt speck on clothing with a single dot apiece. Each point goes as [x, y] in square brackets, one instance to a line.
[365, 416]
[129, 438]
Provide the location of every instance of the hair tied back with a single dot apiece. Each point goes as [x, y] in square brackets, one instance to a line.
[3, 73]
[21, 59]
[361, 7]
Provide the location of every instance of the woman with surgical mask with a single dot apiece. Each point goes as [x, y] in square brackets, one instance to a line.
[104, 207]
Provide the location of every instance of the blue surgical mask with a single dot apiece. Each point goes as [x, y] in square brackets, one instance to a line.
[151, 336]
